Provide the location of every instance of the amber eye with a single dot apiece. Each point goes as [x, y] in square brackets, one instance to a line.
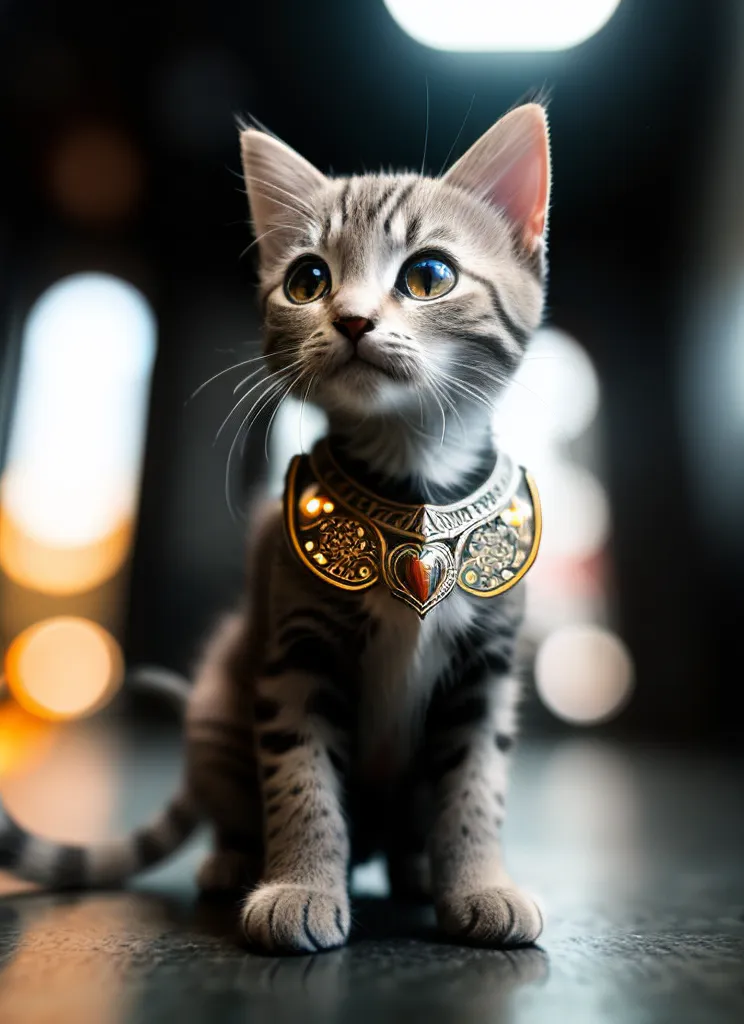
[427, 277]
[309, 279]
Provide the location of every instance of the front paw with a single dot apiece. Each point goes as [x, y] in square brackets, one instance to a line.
[497, 917]
[286, 918]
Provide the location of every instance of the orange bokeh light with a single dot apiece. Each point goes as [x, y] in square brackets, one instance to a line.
[61, 570]
[64, 668]
[23, 739]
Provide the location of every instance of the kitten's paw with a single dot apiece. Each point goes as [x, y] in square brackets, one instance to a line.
[497, 917]
[226, 871]
[284, 918]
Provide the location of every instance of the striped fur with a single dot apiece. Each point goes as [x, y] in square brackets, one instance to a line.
[323, 724]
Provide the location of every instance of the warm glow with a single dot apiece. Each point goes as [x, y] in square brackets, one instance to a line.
[64, 668]
[312, 507]
[23, 739]
[60, 570]
[584, 674]
[96, 174]
[328, 506]
[77, 433]
[514, 515]
[501, 24]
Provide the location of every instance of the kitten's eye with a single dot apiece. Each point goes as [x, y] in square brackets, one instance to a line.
[308, 280]
[426, 278]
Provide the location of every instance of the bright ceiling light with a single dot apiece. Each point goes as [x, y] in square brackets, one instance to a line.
[584, 674]
[497, 25]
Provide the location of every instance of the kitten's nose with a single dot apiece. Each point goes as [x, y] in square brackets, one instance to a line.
[353, 327]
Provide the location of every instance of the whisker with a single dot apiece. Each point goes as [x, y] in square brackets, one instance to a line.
[302, 410]
[259, 238]
[426, 133]
[288, 390]
[264, 380]
[231, 451]
[290, 195]
[457, 137]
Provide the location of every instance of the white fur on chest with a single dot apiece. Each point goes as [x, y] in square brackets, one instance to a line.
[399, 667]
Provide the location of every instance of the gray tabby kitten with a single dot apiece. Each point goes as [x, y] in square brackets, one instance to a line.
[325, 725]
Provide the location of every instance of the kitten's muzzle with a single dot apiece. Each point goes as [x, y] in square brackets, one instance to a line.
[353, 327]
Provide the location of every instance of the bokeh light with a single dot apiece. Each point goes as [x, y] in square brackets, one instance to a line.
[584, 674]
[96, 174]
[553, 398]
[72, 478]
[24, 738]
[501, 24]
[64, 667]
[576, 511]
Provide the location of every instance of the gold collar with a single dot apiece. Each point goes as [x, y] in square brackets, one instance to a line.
[352, 538]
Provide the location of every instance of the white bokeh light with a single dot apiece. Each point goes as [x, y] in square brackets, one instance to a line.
[501, 25]
[78, 429]
[576, 511]
[584, 674]
[554, 396]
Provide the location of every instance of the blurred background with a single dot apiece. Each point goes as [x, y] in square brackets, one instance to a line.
[125, 286]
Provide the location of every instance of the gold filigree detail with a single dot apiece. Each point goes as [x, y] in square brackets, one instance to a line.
[490, 556]
[343, 548]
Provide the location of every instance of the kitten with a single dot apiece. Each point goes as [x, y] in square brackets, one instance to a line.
[401, 305]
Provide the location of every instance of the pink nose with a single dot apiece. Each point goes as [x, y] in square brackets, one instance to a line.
[353, 327]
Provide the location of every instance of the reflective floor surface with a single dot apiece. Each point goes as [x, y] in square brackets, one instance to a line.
[637, 856]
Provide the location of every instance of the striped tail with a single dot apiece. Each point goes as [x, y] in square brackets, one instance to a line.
[108, 864]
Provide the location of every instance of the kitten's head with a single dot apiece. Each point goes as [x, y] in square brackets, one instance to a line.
[389, 292]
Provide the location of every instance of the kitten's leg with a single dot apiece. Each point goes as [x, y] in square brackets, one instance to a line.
[221, 762]
[470, 732]
[301, 726]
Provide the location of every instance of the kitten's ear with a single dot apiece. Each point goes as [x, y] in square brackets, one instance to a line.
[510, 167]
[278, 182]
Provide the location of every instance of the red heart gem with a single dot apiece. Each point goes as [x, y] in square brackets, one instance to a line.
[422, 576]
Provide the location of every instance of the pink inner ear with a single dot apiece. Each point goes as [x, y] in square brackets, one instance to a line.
[510, 167]
[523, 190]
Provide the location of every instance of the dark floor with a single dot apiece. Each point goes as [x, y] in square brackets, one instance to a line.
[638, 857]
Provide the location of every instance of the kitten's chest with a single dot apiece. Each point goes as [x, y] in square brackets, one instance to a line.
[399, 668]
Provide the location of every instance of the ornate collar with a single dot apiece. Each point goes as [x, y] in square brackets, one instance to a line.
[353, 539]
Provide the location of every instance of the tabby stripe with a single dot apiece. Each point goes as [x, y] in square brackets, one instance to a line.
[472, 709]
[236, 732]
[401, 198]
[321, 618]
[345, 203]
[13, 842]
[412, 230]
[279, 741]
[449, 764]
[378, 204]
[224, 759]
[492, 663]
[331, 706]
[306, 654]
[265, 710]
[70, 867]
[520, 334]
